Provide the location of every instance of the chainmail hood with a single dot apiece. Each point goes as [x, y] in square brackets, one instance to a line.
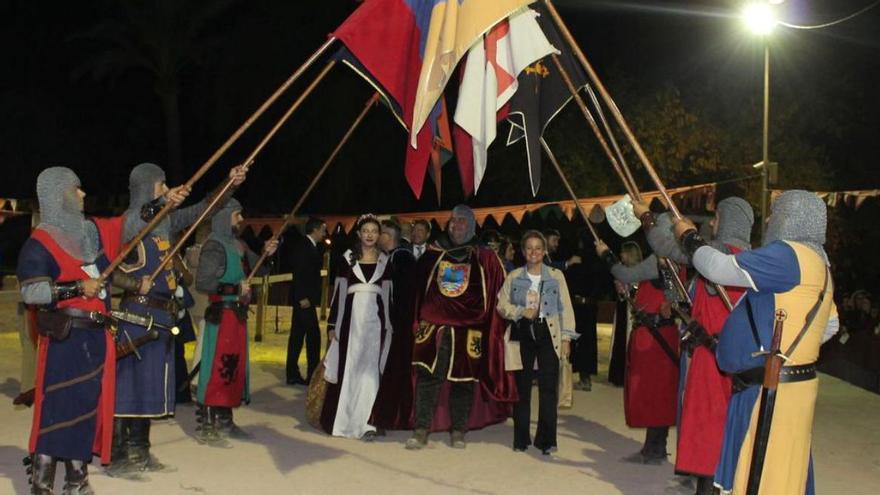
[141, 186]
[798, 216]
[221, 222]
[61, 215]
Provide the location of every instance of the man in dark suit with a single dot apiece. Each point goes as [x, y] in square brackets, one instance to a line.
[305, 298]
[421, 232]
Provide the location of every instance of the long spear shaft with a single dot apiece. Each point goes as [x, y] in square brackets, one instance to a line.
[569, 188]
[247, 163]
[625, 293]
[213, 159]
[631, 137]
[611, 137]
[372, 101]
[630, 187]
[606, 96]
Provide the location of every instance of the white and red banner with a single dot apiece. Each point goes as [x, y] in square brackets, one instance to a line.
[490, 80]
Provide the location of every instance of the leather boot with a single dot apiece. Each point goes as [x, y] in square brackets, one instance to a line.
[654, 449]
[42, 475]
[119, 448]
[226, 427]
[456, 439]
[705, 486]
[655, 445]
[139, 447]
[207, 432]
[418, 441]
[76, 479]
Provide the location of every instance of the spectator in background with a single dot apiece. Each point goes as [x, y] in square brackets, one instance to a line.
[421, 232]
[394, 400]
[586, 283]
[491, 239]
[553, 237]
[306, 296]
[507, 253]
[630, 255]
[405, 234]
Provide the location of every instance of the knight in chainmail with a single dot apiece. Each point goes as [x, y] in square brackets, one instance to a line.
[704, 390]
[651, 376]
[459, 338]
[787, 310]
[57, 271]
[224, 267]
[145, 382]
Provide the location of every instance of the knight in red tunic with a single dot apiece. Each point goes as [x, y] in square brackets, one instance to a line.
[705, 389]
[74, 390]
[458, 351]
[651, 379]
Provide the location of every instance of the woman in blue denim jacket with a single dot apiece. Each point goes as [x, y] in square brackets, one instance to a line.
[535, 300]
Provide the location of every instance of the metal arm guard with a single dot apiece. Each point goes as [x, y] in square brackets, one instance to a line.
[691, 241]
[66, 290]
[126, 282]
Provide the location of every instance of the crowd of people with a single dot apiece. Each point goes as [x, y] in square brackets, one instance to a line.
[433, 333]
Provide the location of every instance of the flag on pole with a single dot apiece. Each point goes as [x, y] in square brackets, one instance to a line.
[542, 95]
[411, 48]
[490, 81]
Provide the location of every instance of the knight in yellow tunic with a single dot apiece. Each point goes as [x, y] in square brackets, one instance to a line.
[789, 285]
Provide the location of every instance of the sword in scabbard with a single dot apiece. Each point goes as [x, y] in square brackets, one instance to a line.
[146, 321]
[772, 367]
[130, 346]
[127, 345]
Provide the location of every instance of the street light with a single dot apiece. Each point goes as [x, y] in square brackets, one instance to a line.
[760, 19]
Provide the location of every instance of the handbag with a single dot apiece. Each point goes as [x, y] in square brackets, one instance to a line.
[315, 395]
[566, 384]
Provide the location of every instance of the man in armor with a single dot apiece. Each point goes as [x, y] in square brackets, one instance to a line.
[145, 382]
[58, 271]
[459, 336]
[651, 380]
[770, 342]
[224, 266]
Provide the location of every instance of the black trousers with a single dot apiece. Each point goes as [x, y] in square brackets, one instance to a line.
[617, 365]
[540, 349]
[428, 385]
[304, 328]
[584, 350]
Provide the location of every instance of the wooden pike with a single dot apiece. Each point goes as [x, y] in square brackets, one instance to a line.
[130, 245]
[290, 216]
[247, 163]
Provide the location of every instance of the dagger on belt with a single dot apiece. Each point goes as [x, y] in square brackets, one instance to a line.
[129, 346]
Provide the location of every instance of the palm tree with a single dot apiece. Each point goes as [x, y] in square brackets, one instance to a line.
[164, 39]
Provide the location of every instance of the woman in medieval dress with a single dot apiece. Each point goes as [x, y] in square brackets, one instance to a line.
[359, 331]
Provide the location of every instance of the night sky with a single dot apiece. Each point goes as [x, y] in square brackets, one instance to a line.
[63, 104]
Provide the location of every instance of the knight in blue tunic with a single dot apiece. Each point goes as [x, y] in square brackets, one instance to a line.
[145, 382]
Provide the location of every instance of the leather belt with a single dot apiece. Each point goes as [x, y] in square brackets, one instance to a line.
[167, 305]
[788, 374]
[83, 319]
[229, 304]
[228, 289]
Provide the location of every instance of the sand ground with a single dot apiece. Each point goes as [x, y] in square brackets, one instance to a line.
[287, 456]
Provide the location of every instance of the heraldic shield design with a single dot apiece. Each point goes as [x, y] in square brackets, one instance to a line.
[453, 278]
